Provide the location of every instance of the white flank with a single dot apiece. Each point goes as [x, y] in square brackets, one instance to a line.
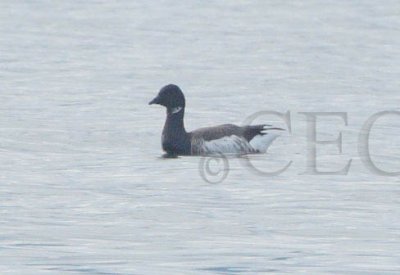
[226, 145]
[233, 145]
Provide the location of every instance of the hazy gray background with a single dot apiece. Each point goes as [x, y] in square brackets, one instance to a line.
[83, 188]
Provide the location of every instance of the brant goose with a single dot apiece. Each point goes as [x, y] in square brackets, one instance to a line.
[222, 139]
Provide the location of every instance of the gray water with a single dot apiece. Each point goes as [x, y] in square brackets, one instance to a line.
[83, 187]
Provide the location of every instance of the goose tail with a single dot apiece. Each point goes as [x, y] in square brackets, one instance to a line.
[261, 142]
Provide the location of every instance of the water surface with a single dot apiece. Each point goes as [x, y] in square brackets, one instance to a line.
[83, 188]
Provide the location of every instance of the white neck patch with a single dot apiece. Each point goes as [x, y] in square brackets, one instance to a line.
[176, 110]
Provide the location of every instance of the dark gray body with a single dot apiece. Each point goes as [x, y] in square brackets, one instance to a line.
[176, 141]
